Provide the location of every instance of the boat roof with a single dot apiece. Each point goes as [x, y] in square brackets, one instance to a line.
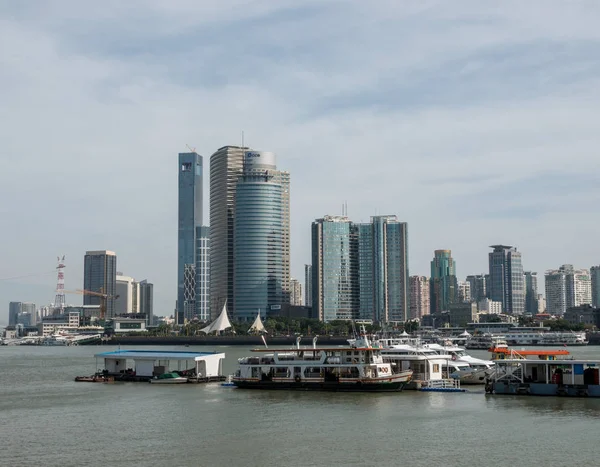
[505, 350]
[549, 362]
[158, 355]
[318, 349]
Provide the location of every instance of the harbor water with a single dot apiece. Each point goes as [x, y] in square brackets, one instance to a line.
[49, 419]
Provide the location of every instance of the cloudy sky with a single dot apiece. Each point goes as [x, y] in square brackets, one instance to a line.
[472, 121]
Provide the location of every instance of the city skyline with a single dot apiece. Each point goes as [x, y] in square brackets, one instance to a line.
[439, 137]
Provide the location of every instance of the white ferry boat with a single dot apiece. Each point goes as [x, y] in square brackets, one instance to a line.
[359, 368]
[546, 338]
[484, 341]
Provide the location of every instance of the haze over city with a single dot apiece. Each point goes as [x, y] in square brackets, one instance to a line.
[477, 127]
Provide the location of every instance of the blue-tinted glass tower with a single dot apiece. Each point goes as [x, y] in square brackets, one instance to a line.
[189, 223]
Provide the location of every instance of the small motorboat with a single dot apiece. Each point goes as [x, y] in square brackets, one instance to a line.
[228, 383]
[169, 378]
[95, 379]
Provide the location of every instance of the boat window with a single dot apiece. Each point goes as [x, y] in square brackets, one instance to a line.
[436, 367]
[255, 372]
[312, 372]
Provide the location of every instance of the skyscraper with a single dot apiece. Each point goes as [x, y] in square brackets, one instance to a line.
[308, 285]
[100, 275]
[147, 301]
[507, 283]
[464, 292]
[334, 269]
[556, 292]
[444, 286]
[203, 272]
[383, 269]
[531, 292]
[595, 279]
[258, 239]
[190, 219]
[478, 287]
[419, 297]
[128, 295]
[295, 292]
[578, 286]
[14, 308]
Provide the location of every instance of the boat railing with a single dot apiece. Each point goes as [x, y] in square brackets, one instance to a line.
[442, 384]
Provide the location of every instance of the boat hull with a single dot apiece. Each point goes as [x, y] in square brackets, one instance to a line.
[169, 381]
[393, 386]
[541, 389]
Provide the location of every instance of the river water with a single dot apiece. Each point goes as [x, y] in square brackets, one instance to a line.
[48, 419]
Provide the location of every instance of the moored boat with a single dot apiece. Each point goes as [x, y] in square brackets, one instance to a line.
[169, 378]
[359, 368]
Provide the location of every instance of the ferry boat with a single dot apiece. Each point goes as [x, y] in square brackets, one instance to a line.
[550, 374]
[546, 338]
[484, 341]
[358, 368]
[468, 369]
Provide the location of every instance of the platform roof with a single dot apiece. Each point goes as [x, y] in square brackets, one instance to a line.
[157, 355]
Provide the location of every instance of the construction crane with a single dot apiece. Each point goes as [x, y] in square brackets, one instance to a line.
[190, 148]
[103, 298]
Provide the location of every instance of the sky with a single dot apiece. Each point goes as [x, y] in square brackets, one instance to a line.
[475, 122]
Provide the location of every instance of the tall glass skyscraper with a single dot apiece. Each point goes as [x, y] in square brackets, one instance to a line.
[507, 283]
[100, 275]
[444, 285]
[190, 220]
[203, 273]
[531, 292]
[258, 238]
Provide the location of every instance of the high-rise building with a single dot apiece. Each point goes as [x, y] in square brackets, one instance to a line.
[14, 308]
[579, 288]
[507, 284]
[283, 178]
[334, 269]
[203, 273]
[383, 269]
[556, 292]
[419, 297]
[595, 280]
[295, 292]
[308, 285]
[444, 286]
[189, 221]
[226, 166]
[531, 292]
[100, 275]
[258, 239]
[147, 301]
[478, 287]
[128, 295]
[464, 292]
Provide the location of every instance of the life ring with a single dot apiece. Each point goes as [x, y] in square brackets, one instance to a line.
[297, 379]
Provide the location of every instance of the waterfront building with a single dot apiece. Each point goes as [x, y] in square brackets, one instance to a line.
[334, 269]
[461, 314]
[283, 178]
[464, 292]
[203, 273]
[567, 287]
[595, 283]
[489, 306]
[14, 308]
[507, 284]
[100, 275]
[556, 292]
[147, 301]
[128, 295]
[189, 220]
[478, 287]
[295, 292]
[531, 293]
[258, 239]
[308, 285]
[579, 288]
[444, 286]
[383, 269]
[419, 297]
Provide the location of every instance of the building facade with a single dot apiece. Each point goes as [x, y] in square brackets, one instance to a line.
[556, 292]
[531, 293]
[308, 285]
[334, 269]
[100, 275]
[419, 297]
[464, 292]
[147, 301]
[443, 283]
[258, 239]
[595, 283]
[14, 308]
[507, 284]
[128, 295]
[295, 289]
[203, 273]
[189, 220]
[478, 287]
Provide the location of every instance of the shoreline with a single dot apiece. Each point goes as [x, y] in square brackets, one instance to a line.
[224, 340]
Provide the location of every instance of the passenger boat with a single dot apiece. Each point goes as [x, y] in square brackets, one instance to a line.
[358, 368]
[546, 338]
[95, 379]
[468, 369]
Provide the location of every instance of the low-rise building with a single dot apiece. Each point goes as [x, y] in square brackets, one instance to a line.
[584, 314]
[120, 325]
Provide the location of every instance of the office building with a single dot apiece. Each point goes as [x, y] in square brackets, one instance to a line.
[464, 292]
[419, 297]
[579, 288]
[531, 293]
[556, 292]
[567, 287]
[147, 301]
[334, 269]
[203, 273]
[14, 308]
[308, 285]
[595, 283]
[128, 295]
[489, 306]
[258, 239]
[383, 269]
[443, 283]
[478, 287]
[295, 289]
[507, 284]
[100, 275]
[189, 222]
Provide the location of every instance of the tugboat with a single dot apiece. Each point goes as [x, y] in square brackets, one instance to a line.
[358, 368]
